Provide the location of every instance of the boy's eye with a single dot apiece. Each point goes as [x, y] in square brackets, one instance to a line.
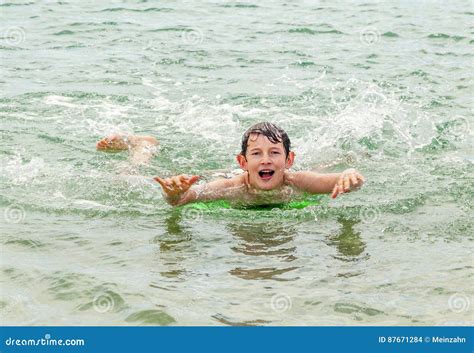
[255, 153]
[276, 152]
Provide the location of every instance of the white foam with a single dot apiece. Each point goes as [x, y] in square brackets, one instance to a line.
[88, 204]
[60, 100]
[20, 172]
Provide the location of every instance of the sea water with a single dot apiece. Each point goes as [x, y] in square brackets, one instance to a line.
[383, 87]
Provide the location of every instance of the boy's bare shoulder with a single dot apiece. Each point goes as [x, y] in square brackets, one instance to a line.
[238, 180]
[220, 183]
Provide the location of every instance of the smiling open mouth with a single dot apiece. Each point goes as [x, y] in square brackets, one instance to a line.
[266, 174]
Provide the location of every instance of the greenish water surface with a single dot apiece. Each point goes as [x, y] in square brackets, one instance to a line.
[384, 87]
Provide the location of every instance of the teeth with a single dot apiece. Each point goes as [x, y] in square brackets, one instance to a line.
[266, 172]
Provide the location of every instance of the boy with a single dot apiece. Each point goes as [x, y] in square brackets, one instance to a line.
[265, 159]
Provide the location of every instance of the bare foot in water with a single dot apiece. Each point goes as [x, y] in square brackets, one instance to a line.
[141, 148]
[121, 143]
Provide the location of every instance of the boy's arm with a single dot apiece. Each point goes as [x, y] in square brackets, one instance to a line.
[334, 183]
[178, 190]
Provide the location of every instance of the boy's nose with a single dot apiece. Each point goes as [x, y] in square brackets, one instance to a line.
[265, 160]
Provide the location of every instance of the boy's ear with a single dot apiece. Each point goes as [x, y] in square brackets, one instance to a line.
[290, 160]
[242, 161]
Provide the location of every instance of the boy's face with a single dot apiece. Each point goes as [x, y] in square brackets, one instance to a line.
[265, 162]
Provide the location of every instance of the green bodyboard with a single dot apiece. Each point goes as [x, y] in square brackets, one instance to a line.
[223, 204]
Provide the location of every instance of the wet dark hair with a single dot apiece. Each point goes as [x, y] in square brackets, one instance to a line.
[271, 131]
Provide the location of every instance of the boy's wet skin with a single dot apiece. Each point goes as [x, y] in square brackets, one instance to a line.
[265, 163]
[265, 158]
[141, 148]
[119, 142]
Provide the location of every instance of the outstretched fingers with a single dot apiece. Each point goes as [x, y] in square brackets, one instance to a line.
[164, 183]
[192, 179]
[177, 184]
[185, 182]
[347, 183]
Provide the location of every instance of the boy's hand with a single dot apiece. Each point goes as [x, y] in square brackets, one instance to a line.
[176, 186]
[349, 180]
